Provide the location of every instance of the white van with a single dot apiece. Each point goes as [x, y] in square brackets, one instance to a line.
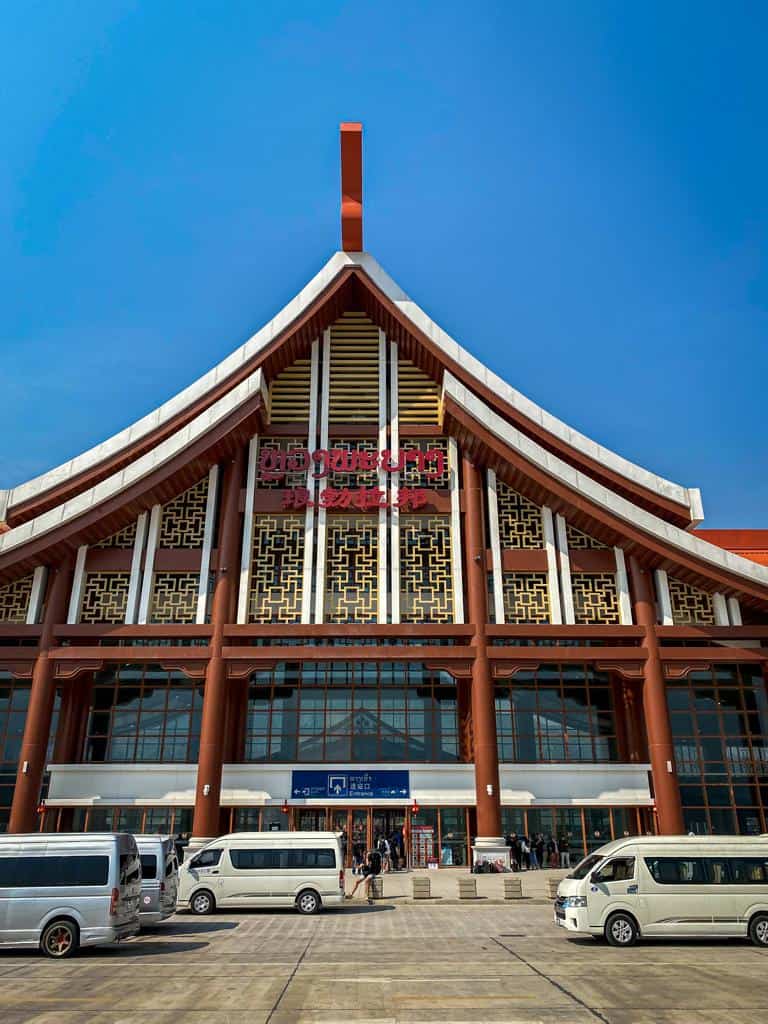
[669, 886]
[60, 891]
[304, 870]
[159, 878]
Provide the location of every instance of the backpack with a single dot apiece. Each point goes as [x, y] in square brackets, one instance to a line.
[382, 846]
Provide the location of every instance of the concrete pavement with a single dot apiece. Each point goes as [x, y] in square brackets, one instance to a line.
[389, 964]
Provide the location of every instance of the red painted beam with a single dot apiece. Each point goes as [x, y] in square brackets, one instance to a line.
[351, 186]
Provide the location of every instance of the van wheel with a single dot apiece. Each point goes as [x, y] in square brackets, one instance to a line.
[60, 940]
[621, 930]
[308, 902]
[758, 929]
[202, 902]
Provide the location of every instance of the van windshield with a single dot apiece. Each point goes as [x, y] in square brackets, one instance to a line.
[583, 869]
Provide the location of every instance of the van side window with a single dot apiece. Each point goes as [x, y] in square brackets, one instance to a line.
[677, 870]
[286, 859]
[309, 859]
[206, 859]
[255, 860]
[148, 865]
[49, 872]
[749, 870]
[620, 869]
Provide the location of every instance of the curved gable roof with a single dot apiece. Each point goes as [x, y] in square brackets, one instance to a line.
[564, 438]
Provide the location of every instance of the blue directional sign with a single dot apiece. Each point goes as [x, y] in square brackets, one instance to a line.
[355, 785]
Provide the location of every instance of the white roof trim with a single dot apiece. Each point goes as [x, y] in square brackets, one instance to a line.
[135, 471]
[688, 498]
[600, 495]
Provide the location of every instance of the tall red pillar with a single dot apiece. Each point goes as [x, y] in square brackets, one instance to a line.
[661, 749]
[206, 819]
[37, 727]
[482, 699]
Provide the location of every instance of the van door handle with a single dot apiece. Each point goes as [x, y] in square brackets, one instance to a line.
[631, 888]
[215, 872]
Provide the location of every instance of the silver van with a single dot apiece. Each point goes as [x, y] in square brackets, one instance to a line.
[304, 870]
[60, 891]
[159, 878]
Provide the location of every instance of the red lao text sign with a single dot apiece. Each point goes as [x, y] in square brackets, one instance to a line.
[274, 463]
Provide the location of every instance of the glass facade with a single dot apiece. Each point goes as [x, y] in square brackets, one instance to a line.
[361, 712]
[556, 713]
[143, 713]
[586, 828]
[719, 721]
[14, 700]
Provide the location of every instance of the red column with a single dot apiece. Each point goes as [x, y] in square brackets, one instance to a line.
[482, 703]
[660, 747]
[37, 727]
[212, 737]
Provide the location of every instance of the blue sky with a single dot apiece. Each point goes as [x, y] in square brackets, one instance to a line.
[575, 191]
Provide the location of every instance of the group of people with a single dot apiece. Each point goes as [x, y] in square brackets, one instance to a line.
[391, 851]
[529, 853]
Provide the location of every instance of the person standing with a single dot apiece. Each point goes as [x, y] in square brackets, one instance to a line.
[564, 848]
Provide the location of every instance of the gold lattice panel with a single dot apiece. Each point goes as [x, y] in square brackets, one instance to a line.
[124, 538]
[360, 479]
[418, 396]
[14, 600]
[520, 523]
[282, 447]
[690, 606]
[277, 569]
[526, 598]
[426, 579]
[412, 477]
[351, 569]
[289, 393]
[595, 601]
[105, 597]
[183, 519]
[354, 370]
[174, 597]
[582, 541]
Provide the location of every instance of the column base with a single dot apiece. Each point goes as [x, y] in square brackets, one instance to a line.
[197, 843]
[490, 849]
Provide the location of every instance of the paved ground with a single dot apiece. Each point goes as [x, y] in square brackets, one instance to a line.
[393, 962]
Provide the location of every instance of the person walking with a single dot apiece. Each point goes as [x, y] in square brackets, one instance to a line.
[371, 869]
[382, 846]
[551, 852]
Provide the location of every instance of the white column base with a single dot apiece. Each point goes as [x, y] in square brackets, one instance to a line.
[490, 848]
[197, 843]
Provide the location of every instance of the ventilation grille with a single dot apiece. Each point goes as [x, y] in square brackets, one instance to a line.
[354, 370]
[418, 397]
[289, 394]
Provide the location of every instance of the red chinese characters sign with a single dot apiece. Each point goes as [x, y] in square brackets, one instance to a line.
[365, 499]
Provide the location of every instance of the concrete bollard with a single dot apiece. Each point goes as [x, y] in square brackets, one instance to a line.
[467, 888]
[377, 887]
[422, 887]
[513, 889]
[553, 884]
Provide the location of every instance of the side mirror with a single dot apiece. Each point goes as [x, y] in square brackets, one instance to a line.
[594, 878]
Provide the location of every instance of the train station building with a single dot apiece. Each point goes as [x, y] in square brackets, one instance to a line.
[350, 578]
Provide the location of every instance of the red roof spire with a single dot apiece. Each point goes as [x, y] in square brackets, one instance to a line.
[351, 186]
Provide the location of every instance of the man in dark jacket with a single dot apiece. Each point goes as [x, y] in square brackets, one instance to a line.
[371, 869]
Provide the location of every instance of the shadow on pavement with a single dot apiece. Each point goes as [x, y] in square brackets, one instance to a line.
[188, 927]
